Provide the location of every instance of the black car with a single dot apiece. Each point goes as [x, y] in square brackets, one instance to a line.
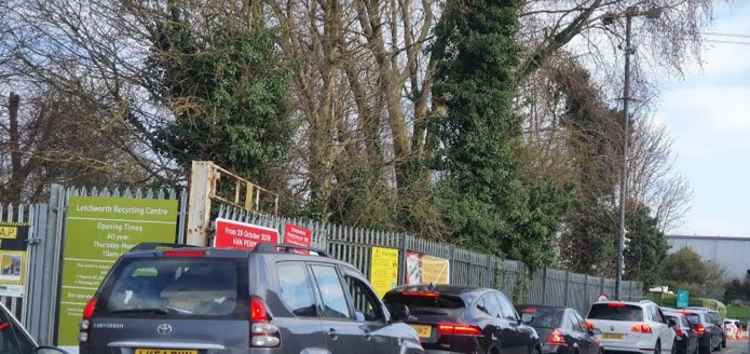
[709, 329]
[15, 339]
[452, 319]
[274, 300]
[686, 336]
[561, 330]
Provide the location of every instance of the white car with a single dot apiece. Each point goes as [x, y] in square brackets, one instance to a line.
[636, 327]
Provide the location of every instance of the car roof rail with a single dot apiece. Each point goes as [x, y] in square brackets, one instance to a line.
[285, 247]
[155, 246]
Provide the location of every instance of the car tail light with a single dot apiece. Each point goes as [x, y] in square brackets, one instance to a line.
[700, 329]
[556, 338]
[263, 334]
[458, 329]
[421, 293]
[640, 328]
[89, 309]
[679, 332]
[184, 253]
[88, 314]
[615, 305]
[589, 325]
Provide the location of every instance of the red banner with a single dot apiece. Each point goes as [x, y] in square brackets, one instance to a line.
[238, 235]
[297, 235]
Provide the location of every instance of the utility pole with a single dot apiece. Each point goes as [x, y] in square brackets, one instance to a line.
[624, 172]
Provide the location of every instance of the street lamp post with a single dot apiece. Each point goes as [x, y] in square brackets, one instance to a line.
[624, 167]
[630, 12]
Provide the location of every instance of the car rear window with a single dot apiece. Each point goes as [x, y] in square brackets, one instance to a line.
[692, 319]
[418, 304]
[541, 317]
[616, 312]
[176, 287]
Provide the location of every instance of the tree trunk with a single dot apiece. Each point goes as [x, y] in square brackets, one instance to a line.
[17, 177]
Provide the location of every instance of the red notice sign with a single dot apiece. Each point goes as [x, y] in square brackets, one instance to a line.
[297, 235]
[238, 235]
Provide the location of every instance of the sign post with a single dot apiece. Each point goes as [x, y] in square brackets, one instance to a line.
[99, 231]
[13, 260]
[424, 269]
[683, 299]
[239, 235]
[384, 269]
[297, 235]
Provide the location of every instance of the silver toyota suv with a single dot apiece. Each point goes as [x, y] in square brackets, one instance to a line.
[276, 299]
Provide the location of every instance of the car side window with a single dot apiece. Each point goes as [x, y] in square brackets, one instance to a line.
[659, 316]
[296, 289]
[489, 305]
[331, 292]
[364, 300]
[507, 310]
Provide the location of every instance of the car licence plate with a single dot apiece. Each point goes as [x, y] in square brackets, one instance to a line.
[613, 336]
[165, 351]
[423, 331]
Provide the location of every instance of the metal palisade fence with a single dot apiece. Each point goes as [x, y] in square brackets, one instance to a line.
[41, 300]
[16, 215]
[39, 306]
[469, 268]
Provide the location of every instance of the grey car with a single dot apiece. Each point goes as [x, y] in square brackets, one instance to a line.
[14, 339]
[276, 299]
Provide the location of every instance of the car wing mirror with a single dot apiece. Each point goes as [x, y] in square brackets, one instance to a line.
[359, 316]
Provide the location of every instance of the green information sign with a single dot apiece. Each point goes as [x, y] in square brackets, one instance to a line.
[100, 230]
[683, 299]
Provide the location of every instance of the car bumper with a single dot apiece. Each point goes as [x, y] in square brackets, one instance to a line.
[638, 347]
[555, 349]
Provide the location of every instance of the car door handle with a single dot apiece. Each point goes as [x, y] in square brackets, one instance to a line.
[332, 334]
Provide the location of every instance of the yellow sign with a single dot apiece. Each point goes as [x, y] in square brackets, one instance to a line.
[12, 273]
[384, 269]
[435, 270]
[8, 232]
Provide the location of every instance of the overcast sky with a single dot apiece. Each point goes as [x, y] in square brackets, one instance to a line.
[707, 113]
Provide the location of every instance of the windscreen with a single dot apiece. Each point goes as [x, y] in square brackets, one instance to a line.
[540, 317]
[692, 319]
[175, 287]
[616, 312]
[439, 304]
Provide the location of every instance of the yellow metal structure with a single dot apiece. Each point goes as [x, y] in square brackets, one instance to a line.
[209, 183]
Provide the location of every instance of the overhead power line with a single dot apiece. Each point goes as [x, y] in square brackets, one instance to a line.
[733, 35]
[726, 42]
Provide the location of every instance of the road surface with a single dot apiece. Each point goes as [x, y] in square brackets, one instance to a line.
[736, 347]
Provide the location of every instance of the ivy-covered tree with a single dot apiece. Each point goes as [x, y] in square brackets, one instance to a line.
[646, 249]
[225, 84]
[485, 198]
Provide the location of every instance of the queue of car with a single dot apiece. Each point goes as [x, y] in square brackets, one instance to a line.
[281, 299]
